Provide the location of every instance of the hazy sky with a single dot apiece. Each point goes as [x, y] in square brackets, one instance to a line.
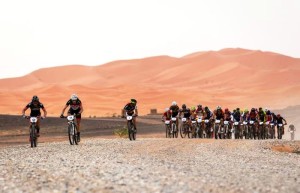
[39, 33]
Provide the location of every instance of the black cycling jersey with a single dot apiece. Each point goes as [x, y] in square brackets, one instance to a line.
[219, 115]
[35, 109]
[237, 116]
[175, 110]
[261, 116]
[74, 106]
[129, 108]
[186, 113]
[279, 120]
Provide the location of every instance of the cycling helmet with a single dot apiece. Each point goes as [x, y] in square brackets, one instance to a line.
[226, 109]
[133, 101]
[238, 109]
[218, 107]
[35, 98]
[199, 106]
[266, 109]
[193, 108]
[183, 106]
[268, 112]
[74, 97]
[174, 103]
[245, 110]
[167, 109]
[253, 109]
[206, 108]
[260, 108]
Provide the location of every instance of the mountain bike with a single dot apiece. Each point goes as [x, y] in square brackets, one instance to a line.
[72, 129]
[246, 132]
[130, 127]
[33, 130]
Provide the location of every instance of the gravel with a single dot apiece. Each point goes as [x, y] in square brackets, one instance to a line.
[151, 165]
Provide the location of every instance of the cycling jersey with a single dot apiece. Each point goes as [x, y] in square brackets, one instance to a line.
[175, 110]
[219, 114]
[167, 115]
[252, 116]
[35, 109]
[237, 116]
[186, 113]
[261, 116]
[279, 120]
[227, 116]
[130, 108]
[74, 108]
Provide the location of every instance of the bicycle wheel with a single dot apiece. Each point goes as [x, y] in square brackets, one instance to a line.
[129, 127]
[32, 136]
[75, 134]
[182, 131]
[71, 134]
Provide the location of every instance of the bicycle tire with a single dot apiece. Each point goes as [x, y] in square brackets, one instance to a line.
[32, 129]
[71, 133]
[75, 134]
[129, 125]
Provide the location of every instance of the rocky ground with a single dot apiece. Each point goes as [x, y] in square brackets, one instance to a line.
[152, 165]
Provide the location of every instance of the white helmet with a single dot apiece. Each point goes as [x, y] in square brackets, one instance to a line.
[174, 103]
[74, 97]
[167, 109]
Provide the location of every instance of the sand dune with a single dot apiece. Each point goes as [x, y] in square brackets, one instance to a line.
[229, 77]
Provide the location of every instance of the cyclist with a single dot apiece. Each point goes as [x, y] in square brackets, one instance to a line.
[279, 120]
[131, 110]
[75, 108]
[219, 114]
[174, 111]
[237, 115]
[35, 105]
[166, 115]
[186, 114]
[253, 115]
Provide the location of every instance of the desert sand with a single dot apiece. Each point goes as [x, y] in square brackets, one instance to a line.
[229, 77]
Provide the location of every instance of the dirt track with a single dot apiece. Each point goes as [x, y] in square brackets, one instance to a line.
[150, 165]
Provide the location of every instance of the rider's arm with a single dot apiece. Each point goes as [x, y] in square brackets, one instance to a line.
[81, 108]
[63, 111]
[23, 111]
[45, 112]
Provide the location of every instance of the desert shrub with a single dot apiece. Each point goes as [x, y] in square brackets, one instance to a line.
[121, 132]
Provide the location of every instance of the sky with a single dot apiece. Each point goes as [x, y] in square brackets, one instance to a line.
[36, 34]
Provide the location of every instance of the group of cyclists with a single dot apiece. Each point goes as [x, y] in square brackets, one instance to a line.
[35, 105]
[76, 108]
[202, 122]
[197, 121]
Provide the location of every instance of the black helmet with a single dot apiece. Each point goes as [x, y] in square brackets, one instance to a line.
[183, 106]
[253, 109]
[238, 109]
[199, 106]
[206, 108]
[35, 98]
[133, 101]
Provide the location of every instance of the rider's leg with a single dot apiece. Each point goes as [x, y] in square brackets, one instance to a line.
[78, 128]
[38, 127]
[134, 122]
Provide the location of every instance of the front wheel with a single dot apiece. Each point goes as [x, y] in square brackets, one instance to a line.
[33, 137]
[71, 133]
[183, 132]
